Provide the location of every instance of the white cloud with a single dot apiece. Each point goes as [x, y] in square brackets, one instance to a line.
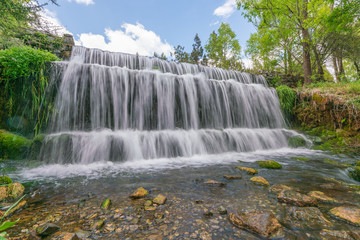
[226, 10]
[50, 20]
[86, 2]
[129, 39]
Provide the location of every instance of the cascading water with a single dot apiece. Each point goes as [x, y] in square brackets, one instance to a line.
[123, 107]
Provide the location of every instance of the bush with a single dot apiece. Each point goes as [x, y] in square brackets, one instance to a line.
[23, 83]
[287, 97]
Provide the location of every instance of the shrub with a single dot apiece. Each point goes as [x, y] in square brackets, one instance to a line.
[287, 97]
[23, 82]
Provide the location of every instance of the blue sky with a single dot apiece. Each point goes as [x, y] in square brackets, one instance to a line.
[146, 26]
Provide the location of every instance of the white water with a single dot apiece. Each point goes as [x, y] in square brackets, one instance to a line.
[126, 108]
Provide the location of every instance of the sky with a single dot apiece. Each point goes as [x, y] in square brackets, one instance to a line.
[145, 26]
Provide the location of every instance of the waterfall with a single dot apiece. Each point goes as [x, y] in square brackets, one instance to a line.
[123, 107]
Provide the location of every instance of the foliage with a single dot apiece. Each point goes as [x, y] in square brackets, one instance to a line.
[162, 56]
[8, 224]
[181, 55]
[22, 80]
[287, 97]
[223, 49]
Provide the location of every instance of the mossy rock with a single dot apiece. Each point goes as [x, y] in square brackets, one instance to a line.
[269, 164]
[355, 173]
[297, 141]
[249, 171]
[13, 146]
[5, 180]
[300, 158]
[36, 146]
[106, 204]
[15, 190]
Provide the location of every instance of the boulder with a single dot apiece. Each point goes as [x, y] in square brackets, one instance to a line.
[321, 197]
[270, 164]
[296, 198]
[348, 214]
[160, 199]
[297, 141]
[46, 229]
[263, 223]
[139, 193]
[250, 171]
[260, 180]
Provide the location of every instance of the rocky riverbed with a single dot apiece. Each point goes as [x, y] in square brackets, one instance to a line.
[307, 198]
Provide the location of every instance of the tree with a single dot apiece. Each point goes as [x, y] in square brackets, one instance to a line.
[162, 56]
[198, 52]
[180, 54]
[223, 49]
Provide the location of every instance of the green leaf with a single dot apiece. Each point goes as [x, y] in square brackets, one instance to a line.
[7, 224]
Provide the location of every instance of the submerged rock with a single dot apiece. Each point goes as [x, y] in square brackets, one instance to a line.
[306, 217]
[263, 223]
[47, 229]
[348, 214]
[277, 188]
[250, 171]
[160, 199]
[215, 183]
[296, 198]
[139, 193]
[65, 236]
[270, 164]
[222, 210]
[297, 141]
[326, 234]
[106, 204]
[260, 180]
[321, 197]
[19, 206]
[300, 159]
[97, 225]
[232, 177]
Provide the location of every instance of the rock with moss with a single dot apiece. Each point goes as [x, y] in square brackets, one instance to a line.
[296, 142]
[347, 214]
[47, 229]
[160, 199]
[270, 164]
[260, 180]
[97, 225]
[3, 193]
[15, 190]
[4, 180]
[296, 198]
[300, 159]
[277, 188]
[35, 147]
[250, 171]
[139, 193]
[13, 146]
[322, 197]
[106, 204]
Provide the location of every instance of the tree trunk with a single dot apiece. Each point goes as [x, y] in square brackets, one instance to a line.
[306, 47]
[357, 69]
[320, 69]
[336, 69]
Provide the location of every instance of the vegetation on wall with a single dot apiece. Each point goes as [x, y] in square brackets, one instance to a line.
[287, 97]
[23, 82]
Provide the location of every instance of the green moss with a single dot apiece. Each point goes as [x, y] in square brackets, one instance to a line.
[13, 146]
[316, 97]
[337, 164]
[287, 97]
[297, 141]
[106, 204]
[269, 164]
[5, 180]
[36, 146]
[300, 158]
[355, 173]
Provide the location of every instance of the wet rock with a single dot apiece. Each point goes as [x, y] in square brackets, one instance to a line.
[270, 164]
[150, 208]
[300, 159]
[232, 177]
[335, 235]
[160, 199]
[15, 190]
[47, 229]
[110, 227]
[19, 206]
[53, 218]
[277, 188]
[250, 171]
[106, 204]
[97, 225]
[296, 198]
[215, 183]
[263, 223]
[208, 214]
[65, 236]
[3, 193]
[139, 193]
[321, 197]
[260, 180]
[82, 234]
[297, 141]
[306, 217]
[222, 210]
[348, 214]
[148, 203]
